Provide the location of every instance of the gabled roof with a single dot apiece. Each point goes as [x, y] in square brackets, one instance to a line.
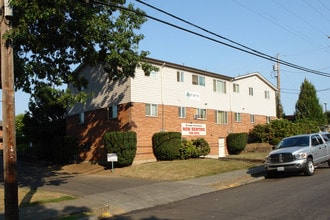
[255, 74]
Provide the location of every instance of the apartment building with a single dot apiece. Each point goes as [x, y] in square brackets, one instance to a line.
[197, 103]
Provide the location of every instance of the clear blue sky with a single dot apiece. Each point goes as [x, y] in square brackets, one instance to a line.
[297, 30]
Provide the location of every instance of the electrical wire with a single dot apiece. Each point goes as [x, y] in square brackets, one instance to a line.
[244, 49]
[263, 55]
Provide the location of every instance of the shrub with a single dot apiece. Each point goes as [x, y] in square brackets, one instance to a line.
[187, 149]
[123, 144]
[194, 148]
[236, 142]
[276, 130]
[166, 145]
[202, 146]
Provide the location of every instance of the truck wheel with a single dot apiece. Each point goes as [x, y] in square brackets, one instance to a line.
[310, 168]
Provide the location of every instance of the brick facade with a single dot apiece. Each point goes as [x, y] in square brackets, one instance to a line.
[131, 117]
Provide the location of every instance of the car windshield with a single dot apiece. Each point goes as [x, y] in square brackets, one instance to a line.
[302, 141]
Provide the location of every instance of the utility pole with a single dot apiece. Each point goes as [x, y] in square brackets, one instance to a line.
[278, 78]
[276, 68]
[8, 115]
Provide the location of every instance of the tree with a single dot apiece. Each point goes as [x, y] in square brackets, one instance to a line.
[279, 108]
[51, 37]
[45, 118]
[308, 105]
[19, 128]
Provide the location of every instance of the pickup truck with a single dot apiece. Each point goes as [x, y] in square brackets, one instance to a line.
[301, 153]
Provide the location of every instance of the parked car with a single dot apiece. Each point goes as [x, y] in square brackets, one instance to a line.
[301, 153]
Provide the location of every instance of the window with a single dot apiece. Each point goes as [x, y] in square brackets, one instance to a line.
[151, 110]
[235, 88]
[151, 74]
[221, 117]
[82, 118]
[252, 118]
[182, 112]
[267, 96]
[198, 80]
[200, 113]
[250, 91]
[237, 117]
[113, 112]
[219, 86]
[267, 119]
[180, 76]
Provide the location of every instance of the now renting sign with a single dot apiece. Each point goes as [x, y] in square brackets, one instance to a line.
[193, 129]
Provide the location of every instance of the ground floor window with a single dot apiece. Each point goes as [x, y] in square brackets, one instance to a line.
[221, 117]
[151, 110]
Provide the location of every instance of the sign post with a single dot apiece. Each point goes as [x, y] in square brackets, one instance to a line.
[112, 157]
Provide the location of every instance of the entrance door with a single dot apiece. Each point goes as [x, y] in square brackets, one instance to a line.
[222, 152]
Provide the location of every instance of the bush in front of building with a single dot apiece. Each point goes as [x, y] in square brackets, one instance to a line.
[187, 150]
[194, 148]
[236, 142]
[202, 146]
[278, 129]
[166, 145]
[123, 144]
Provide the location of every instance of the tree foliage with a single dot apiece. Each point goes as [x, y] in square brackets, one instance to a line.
[308, 105]
[51, 37]
[46, 116]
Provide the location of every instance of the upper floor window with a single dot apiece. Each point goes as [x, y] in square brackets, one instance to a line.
[200, 113]
[198, 80]
[250, 91]
[113, 112]
[237, 117]
[219, 86]
[182, 112]
[267, 96]
[180, 76]
[82, 118]
[252, 118]
[221, 117]
[151, 74]
[151, 110]
[236, 88]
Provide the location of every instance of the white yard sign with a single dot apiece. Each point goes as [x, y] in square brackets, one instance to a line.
[193, 129]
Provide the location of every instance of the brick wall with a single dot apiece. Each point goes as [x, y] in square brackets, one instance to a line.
[132, 117]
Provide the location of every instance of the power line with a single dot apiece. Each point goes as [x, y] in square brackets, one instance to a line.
[258, 53]
[244, 49]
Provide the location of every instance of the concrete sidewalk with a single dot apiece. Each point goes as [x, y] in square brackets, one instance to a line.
[143, 196]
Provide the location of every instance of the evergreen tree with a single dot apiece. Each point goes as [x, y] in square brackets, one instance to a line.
[308, 105]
